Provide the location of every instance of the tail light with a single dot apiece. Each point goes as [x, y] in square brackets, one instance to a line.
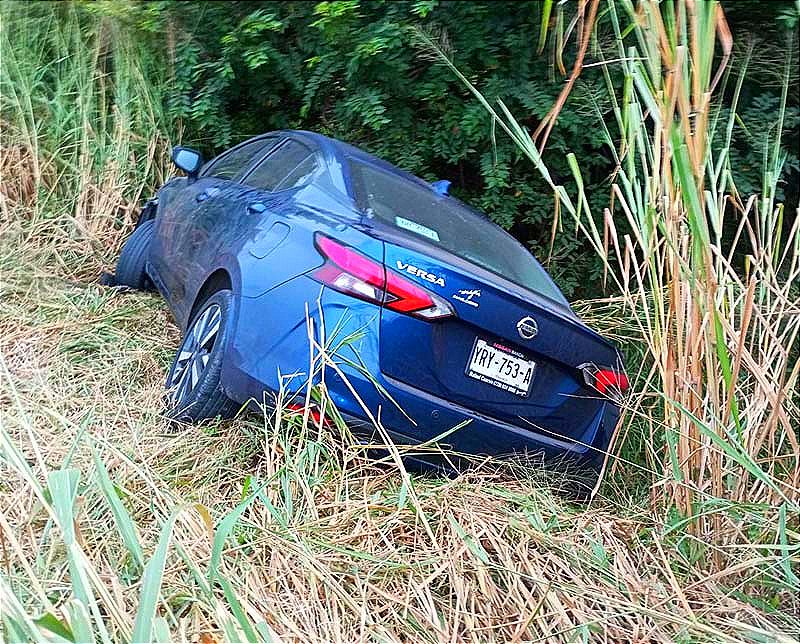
[348, 271]
[606, 381]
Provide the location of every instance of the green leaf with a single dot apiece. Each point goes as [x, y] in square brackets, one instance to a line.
[51, 623]
[143, 626]
[733, 450]
[63, 488]
[727, 371]
[238, 611]
[547, 7]
[786, 559]
[80, 622]
[474, 546]
[14, 631]
[223, 531]
[122, 518]
[695, 215]
[161, 630]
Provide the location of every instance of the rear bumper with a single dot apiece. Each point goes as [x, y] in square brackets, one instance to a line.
[272, 338]
[427, 417]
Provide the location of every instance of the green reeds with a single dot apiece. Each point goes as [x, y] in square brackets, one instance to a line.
[708, 275]
[85, 136]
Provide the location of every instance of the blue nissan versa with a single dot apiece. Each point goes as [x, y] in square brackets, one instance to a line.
[451, 317]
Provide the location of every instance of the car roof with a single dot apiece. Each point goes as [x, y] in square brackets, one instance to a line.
[344, 151]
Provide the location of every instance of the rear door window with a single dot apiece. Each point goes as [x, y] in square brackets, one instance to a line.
[289, 166]
[301, 175]
[231, 164]
[448, 224]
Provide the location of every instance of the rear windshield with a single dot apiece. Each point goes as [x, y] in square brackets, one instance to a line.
[448, 224]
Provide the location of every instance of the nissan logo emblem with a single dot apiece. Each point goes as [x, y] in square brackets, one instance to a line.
[527, 328]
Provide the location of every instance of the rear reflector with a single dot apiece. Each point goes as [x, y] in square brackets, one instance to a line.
[348, 271]
[606, 381]
[313, 412]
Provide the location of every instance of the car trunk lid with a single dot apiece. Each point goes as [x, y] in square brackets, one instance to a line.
[498, 324]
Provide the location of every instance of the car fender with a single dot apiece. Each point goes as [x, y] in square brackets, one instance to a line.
[230, 265]
[149, 211]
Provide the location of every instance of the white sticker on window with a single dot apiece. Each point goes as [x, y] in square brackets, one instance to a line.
[414, 227]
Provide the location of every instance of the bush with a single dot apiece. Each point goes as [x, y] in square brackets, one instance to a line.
[354, 70]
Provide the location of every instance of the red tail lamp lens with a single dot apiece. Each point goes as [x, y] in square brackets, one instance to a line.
[606, 381]
[348, 271]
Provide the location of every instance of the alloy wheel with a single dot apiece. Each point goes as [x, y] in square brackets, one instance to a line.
[194, 354]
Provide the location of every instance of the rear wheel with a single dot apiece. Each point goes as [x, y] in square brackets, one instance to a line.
[131, 263]
[193, 386]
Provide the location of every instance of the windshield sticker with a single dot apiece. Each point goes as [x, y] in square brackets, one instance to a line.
[466, 296]
[414, 227]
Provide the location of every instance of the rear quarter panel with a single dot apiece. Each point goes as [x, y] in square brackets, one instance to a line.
[282, 246]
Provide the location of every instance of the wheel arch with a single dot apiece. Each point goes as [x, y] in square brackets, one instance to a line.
[149, 211]
[216, 281]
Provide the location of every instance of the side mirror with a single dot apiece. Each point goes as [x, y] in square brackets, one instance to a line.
[187, 160]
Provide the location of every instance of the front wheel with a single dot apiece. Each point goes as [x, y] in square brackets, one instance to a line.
[131, 270]
[193, 387]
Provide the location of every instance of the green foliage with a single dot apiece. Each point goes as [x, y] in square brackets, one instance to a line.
[757, 130]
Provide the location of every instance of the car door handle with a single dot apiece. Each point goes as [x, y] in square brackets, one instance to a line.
[208, 192]
[256, 208]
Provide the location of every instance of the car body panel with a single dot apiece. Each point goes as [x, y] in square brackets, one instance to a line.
[408, 372]
[407, 412]
[436, 360]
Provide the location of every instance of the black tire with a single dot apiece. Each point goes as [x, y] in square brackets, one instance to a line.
[190, 401]
[131, 263]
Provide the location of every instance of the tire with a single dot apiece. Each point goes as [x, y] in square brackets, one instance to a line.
[131, 263]
[193, 388]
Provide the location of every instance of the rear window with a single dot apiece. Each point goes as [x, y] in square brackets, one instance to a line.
[448, 224]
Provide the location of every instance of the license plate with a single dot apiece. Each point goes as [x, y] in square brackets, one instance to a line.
[501, 367]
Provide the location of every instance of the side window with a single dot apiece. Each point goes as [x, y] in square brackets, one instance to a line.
[231, 164]
[301, 174]
[287, 167]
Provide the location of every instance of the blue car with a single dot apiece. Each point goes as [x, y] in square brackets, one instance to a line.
[435, 317]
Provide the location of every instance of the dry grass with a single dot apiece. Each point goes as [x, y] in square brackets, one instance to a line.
[332, 547]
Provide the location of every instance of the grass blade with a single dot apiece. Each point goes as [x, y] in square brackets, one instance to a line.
[122, 519]
[144, 626]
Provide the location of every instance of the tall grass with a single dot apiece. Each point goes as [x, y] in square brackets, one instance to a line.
[118, 528]
[709, 276]
[84, 133]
